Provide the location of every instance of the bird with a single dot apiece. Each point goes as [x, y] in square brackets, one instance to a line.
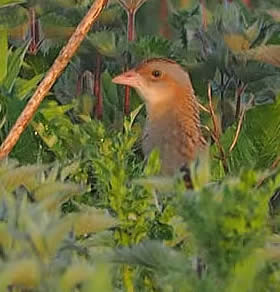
[173, 122]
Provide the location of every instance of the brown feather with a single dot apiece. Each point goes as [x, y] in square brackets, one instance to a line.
[173, 123]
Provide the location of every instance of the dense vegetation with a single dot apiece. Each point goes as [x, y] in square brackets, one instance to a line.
[80, 209]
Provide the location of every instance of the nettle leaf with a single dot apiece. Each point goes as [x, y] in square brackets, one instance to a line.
[227, 220]
[4, 53]
[12, 16]
[111, 15]
[275, 13]
[151, 46]
[15, 61]
[153, 255]
[250, 267]
[56, 30]
[75, 275]
[231, 17]
[112, 101]
[65, 88]
[269, 54]
[92, 220]
[257, 144]
[24, 87]
[22, 272]
[237, 42]
[51, 110]
[63, 190]
[5, 3]
[104, 42]
[24, 175]
[253, 71]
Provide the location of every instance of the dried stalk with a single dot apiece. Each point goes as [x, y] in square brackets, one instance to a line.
[239, 92]
[237, 130]
[275, 163]
[54, 72]
[212, 113]
[216, 131]
[241, 118]
[204, 108]
[34, 32]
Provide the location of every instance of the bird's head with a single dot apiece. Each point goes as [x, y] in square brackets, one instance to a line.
[156, 80]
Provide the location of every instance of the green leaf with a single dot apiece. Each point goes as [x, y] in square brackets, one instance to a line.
[51, 109]
[104, 42]
[4, 3]
[24, 87]
[249, 267]
[25, 175]
[12, 16]
[15, 61]
[4, 54]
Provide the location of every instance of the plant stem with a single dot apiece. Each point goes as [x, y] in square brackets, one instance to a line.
[97, 88]
[216, 131]
[239, 92]
[34, 32]
[79, 85]
[131, 32]
[131, 35]
[164, 29]
[127, 278]
[54, 72]
[222, 100]
[204, 15]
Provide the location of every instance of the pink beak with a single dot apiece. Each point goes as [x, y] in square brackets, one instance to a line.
[130, 78]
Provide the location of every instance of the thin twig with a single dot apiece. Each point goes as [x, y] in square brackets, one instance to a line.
[272, 170]
[241, 118]
[239, 92]
[275, 163]
[204, 15]
[212, 113]
[222, 96]
[54, 72]
[237, 130]
[216, 133]
[206, 128]
[204, 108]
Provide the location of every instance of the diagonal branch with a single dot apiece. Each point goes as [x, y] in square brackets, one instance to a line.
[54, 72]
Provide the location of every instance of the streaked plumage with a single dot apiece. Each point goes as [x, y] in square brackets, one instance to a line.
[173, 123]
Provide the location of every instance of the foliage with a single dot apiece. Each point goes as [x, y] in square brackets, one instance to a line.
[91, 214]
[41, 248]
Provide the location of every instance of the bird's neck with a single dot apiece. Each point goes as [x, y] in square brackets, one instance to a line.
[182, 105]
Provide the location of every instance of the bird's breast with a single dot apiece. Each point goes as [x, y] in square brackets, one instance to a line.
[165, 136]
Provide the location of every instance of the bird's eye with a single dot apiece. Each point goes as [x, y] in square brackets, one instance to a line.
[156, 73]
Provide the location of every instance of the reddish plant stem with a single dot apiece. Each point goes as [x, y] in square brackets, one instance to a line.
[127, 100]
[131, 32]
[54, 72]
[131, 35]
[34, 32]
[97, 88]
[248, 3]
[79, 85]
[204, 15]
[164, 29]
